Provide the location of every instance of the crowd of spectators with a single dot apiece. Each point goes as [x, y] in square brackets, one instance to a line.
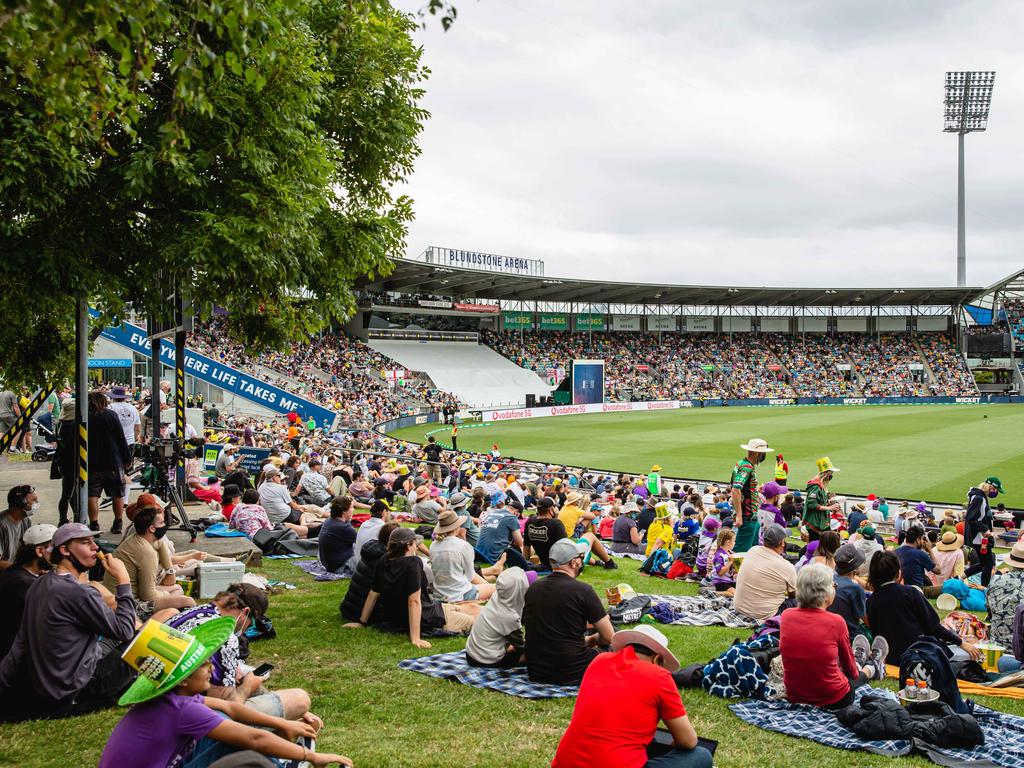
[1015, 317]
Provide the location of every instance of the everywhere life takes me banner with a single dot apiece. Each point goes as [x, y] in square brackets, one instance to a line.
[224, 376]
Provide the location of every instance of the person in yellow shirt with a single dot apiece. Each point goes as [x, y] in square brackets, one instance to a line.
[659, 534]
[579, 525]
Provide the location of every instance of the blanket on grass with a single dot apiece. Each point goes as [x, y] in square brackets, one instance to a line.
[968, 688]
[629, 555]
[514, 682]
[1004, 734]
[317, 570]
[697, 611]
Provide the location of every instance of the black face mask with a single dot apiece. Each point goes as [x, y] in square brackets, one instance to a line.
[76, 563]
[160, 532]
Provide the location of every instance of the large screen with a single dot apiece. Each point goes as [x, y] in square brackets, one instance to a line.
[587, 381]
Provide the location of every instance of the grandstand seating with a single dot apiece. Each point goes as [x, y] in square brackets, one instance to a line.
[1015, 317]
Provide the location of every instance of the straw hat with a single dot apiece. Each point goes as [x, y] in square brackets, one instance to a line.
[573, 498]
[950, 542]
[422, 492]
[649, 637]
[757, 445]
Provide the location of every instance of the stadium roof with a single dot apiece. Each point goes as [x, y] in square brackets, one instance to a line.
[411, 277]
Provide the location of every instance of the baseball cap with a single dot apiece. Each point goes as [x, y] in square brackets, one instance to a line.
[995, 483]
[565, 550]
[774, 535]
[70, 532]
[849, 558]
[545, 502]
[402, 536]
[39, 534]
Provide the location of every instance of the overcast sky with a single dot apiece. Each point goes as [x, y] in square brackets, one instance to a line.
[775, 143]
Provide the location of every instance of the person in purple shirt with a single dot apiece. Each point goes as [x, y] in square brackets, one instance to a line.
[174, 725]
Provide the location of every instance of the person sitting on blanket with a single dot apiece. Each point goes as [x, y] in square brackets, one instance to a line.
[496, 639]
[557, 613]
[579, 525]
[902, 614]
[177, 723]
[819, 666]
[851, 599]
[232, 679]
[767, 580]
[625, 533]
[337, 539]
[721, 568]
[637, 679]
[405, 604]
[451, 560]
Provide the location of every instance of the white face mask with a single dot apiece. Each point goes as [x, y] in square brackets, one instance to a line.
[33, 509]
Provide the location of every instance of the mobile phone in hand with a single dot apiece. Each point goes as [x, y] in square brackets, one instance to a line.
[263, 669]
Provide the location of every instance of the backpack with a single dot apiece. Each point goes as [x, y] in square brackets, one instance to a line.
[738, 673]
[927, 659]
[657, 564]
[679, 570]
[630, 611]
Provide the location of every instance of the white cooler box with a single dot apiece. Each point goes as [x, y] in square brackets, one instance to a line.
[216, 577]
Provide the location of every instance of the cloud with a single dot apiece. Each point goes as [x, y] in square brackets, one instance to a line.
[787, 143]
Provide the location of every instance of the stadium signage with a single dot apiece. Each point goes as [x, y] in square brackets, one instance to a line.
[854, 400]
[550, 322]
[435, 303]
[229, 379]
[616, 407]
[571, 410]
[487, 309]
[781, 401]
[590, 322]
[110, 362]
[967, 400]
[517, 319]
[452, 257]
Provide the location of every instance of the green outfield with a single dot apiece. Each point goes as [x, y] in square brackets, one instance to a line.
[932, 452]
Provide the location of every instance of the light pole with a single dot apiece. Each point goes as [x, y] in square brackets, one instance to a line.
[967, 102]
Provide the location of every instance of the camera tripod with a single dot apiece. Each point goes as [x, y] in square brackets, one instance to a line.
[155, 479]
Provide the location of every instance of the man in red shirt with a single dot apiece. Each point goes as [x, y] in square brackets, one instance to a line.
[637, 677]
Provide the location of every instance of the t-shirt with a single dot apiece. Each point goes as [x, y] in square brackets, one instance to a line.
[370, 529]
[686, 528]
[221, 468]
[433, 452]
[496, 533]
[140, 560]
[620, 531]
[160, 732]
[659, 530]
[744, 480]
[8, 400]
[396, 579]
[451, 560]
[427, 511]
[11, 531]
[851, 603]
[555, 615]
[541, 534]
[816, 652]
[129, 416]
[913, 564]
[763, 582]
[642, 689]
[224, 662]
[855, 519]
[1005, 593]
[276, 500]
[14, 583]
[250, 519]
[337, 542]
[315, 486]
[570, 516]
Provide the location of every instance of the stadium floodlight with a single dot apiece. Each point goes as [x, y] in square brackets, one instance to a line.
[967, 103]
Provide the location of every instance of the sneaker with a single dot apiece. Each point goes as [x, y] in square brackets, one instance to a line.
[610, 565]
[861, 650]
[94, 525]
[879, 650]
[116, 527]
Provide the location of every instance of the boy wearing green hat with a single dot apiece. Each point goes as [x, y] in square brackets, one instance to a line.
[173, 725]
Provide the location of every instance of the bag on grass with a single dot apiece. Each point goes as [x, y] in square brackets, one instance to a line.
[657, 564]
[678, 570]
[928, 659]
[630, 611]
[737, 673]
[966, 625]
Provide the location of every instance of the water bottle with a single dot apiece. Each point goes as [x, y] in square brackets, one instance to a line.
[923, 691]
[910, 691]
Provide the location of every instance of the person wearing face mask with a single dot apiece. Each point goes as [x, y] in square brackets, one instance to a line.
[140, 556]
[30, 562]
[978, 527]
[66, 657]
[231, 679]
[744, 492]
[22, 503]
[564, 618]
[817, 510]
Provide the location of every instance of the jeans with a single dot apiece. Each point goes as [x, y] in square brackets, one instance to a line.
[209, 751]
[698, 757]
[1008, 664]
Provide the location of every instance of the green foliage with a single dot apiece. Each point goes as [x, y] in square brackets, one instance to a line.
[244, 150]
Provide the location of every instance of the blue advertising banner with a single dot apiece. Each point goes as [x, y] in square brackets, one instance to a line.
[110, 362]
[224, 376]
[253, 459]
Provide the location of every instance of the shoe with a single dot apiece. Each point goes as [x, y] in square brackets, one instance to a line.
[610, 565]
[116, 527]
[94, 525]
[879, 650]
[861, 650]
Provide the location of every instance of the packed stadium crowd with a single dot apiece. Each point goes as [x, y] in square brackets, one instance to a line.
[1015, 317]
[690, 366]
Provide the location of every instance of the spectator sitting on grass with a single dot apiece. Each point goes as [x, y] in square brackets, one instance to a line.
[451, 560]
[175, 723]
[496, 639]
[29, 564]
[557, 614]
[338, 537]
[405, 605]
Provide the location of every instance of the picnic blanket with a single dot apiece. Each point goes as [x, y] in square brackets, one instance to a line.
[514, 682]
[1004, 734]
[697, 611]
[629, 555]
[222, 531]
[317, 570]
[968, 688]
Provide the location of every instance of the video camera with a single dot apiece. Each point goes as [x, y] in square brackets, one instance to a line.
[169, 449]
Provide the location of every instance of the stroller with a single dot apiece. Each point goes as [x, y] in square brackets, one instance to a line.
[44, 452]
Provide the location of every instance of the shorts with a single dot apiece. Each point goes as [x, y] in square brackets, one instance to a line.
[724, 586]
[110, 483]
[472, 594]
[267, 703]
[455, 620]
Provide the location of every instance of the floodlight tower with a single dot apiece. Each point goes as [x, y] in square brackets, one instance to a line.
[968, 99]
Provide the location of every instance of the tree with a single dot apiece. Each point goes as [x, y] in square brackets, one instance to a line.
[245, 151]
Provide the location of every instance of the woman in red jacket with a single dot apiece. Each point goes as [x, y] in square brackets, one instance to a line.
[819, 666]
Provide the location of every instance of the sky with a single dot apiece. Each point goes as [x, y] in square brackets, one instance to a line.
[785, 143]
